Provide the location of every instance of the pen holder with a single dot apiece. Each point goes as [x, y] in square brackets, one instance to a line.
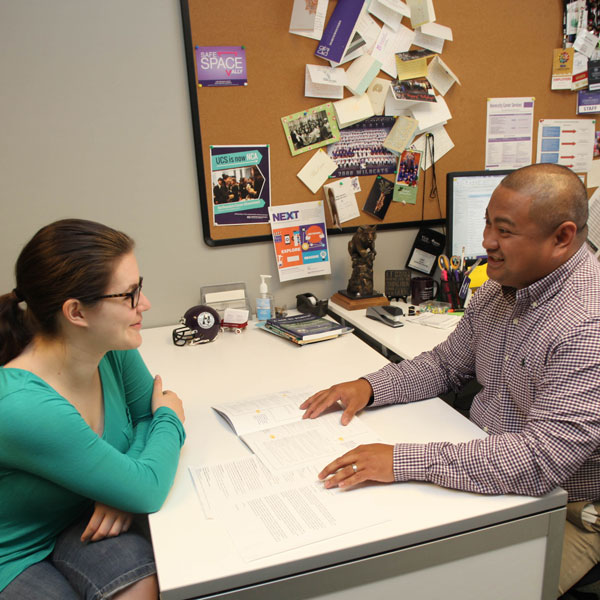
[450, 286]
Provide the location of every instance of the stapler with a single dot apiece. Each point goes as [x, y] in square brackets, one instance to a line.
[390, 315]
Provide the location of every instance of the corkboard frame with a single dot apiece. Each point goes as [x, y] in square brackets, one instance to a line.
[501, 49]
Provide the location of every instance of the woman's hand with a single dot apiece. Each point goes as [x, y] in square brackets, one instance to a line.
[106, 522]
[353, 395]
[166, 398]
[368, 462]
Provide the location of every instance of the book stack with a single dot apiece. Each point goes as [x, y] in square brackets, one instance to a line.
[304, 328]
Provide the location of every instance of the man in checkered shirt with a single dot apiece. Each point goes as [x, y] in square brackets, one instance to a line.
[531, 338]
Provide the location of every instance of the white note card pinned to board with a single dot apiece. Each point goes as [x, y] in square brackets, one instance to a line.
[316, 171]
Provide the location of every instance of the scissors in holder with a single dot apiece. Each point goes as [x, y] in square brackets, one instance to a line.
[443, 263]
[448, 264]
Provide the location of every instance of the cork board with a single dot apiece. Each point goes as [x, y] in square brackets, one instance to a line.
[500, 49]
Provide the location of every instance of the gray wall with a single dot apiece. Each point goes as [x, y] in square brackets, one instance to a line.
[95, 123]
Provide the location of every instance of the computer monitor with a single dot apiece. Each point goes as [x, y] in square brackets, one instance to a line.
[467, 197]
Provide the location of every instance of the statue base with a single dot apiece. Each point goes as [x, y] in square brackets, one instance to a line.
[350, 302]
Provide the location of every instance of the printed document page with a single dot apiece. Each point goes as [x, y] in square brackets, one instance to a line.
[265, 514]
[308, 442]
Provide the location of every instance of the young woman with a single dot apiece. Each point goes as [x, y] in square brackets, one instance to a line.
[88, 438]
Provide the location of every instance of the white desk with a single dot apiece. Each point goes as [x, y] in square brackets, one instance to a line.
[406, 342]
[440, 543]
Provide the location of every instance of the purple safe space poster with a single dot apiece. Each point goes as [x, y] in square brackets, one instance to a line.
[219, 66]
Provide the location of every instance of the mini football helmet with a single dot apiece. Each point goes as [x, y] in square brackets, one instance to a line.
[199, 324]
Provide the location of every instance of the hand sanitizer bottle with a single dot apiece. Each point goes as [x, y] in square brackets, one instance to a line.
[264, 302]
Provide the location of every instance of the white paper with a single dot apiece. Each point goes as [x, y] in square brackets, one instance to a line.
[580, 65]
[264, 411]
[437, 30]
[303, 16]
[593, 176]
[397, 6]
[396, 108]
[361, 73]
[567, 142]
[363, 39]
[316, 171]
[585, 42]
[509, 133]
[321, 81]
[228, 481]
[341, 197]
[443, 145]
[377, 93]
[574, 9]
[589, 514]
[353, 110]
[440, 76]
[431, 114]
[368, 29]
[389, 43]
[266, 514]
[429, 42]
[306, 23]
[401, 135]
[385, 14]
[421, 260]
[421, 12]
[310, 442]
[439, 321]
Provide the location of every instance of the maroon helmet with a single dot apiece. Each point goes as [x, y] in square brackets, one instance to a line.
[199, 324]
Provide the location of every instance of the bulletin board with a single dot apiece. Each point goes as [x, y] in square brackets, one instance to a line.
[499, 49]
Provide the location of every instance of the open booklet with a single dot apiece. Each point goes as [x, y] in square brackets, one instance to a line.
[272, 427]
[272, 501]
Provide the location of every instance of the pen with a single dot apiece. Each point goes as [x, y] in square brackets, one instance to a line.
[473, 267]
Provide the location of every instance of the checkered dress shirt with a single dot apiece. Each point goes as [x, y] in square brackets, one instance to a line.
[536, 352]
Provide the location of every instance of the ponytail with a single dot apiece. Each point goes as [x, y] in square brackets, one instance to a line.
[14, 334]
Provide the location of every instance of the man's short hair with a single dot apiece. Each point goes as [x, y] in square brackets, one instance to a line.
[558, 195]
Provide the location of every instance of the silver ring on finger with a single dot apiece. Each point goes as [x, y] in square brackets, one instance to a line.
[354, 467]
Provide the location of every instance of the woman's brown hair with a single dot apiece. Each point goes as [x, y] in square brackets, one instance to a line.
[72, 258]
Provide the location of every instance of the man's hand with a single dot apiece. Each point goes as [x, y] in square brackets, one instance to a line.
[106, 522]
[353, 395]
[368, 462]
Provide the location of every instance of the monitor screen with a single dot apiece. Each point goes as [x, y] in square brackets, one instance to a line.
[468, 194]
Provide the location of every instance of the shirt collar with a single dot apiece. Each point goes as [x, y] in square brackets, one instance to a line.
[545, 288]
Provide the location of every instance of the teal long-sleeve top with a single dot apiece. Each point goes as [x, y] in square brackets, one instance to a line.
[53, 466]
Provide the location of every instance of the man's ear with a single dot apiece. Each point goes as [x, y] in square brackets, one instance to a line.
[72, 310]
[564, 235]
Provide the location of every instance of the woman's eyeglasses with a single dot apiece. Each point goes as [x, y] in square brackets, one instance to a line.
[134, 295]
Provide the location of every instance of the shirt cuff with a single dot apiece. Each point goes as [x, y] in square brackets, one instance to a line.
[383, 390]
[410, 462]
